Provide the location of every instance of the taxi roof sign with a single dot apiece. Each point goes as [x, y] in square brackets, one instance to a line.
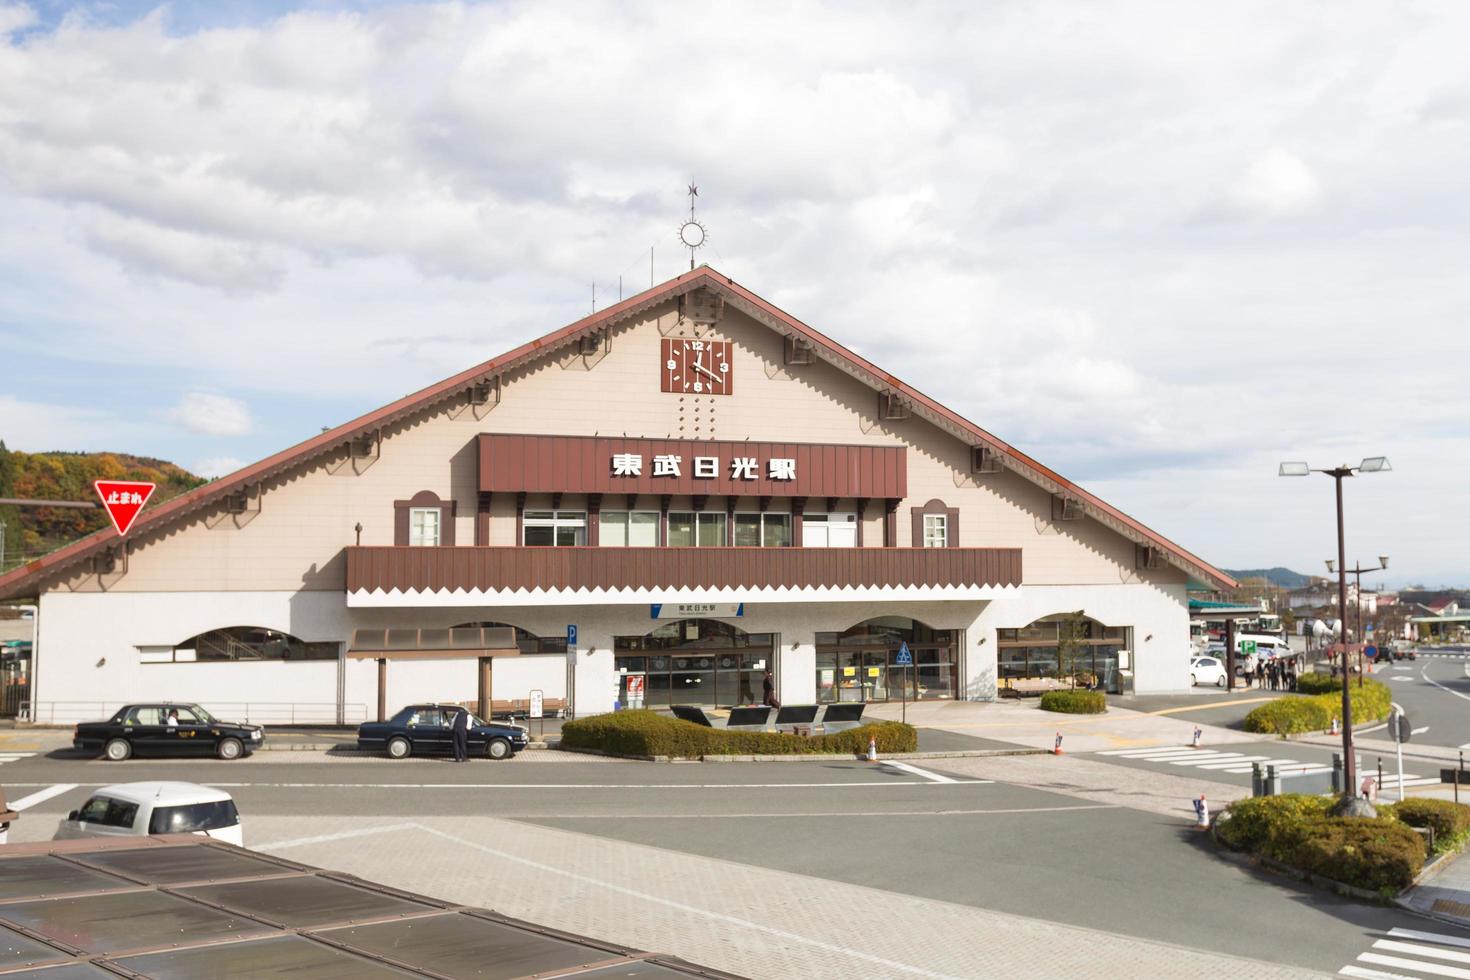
[123, 500]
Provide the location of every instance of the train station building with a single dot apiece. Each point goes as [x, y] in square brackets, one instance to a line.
[702, 486]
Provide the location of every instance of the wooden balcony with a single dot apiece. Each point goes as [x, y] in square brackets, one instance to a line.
[641, 570]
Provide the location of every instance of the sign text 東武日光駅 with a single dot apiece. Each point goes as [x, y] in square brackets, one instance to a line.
[705, 467]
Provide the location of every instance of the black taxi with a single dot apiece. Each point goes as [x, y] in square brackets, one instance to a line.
[427, 729]
[163, 728]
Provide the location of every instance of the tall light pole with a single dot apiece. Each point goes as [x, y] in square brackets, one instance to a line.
[1357, 572]
[1370, 464]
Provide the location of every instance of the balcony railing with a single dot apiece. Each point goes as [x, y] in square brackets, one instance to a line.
[508, 569]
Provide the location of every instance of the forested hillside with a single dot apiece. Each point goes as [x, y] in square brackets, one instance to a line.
[33, 531]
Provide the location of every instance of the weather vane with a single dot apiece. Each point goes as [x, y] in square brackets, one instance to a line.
[691, 232]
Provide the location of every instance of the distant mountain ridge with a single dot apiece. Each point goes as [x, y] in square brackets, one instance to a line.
[1282, 578]
[33, 531]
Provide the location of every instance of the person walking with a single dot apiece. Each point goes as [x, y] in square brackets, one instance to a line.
[461, 733]
[768, 692]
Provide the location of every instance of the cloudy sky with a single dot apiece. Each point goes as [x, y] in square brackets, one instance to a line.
[1159, 246]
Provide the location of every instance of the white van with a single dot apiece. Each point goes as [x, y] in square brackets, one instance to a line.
[138, 809]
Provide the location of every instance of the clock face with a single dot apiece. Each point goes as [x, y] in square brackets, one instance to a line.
[698, 367]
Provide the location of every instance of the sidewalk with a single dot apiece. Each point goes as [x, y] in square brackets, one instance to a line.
[1024, 723]
[1445, 894]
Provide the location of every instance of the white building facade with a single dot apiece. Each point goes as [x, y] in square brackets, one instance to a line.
[703, 487]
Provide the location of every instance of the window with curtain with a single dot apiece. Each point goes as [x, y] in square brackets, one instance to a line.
[629, 529]
[688, 529]
[762, 530]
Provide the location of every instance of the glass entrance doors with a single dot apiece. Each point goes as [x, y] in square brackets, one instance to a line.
[701, 662]
[861, 663]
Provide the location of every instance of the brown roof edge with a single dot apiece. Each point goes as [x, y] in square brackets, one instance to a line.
[16, 583]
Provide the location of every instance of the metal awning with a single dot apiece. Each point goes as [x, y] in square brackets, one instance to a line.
[404, 643]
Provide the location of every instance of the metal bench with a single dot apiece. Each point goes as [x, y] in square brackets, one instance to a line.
[751, 719]
[689, 712]
[841, 717]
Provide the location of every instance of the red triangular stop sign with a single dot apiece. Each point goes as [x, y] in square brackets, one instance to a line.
[123, 500]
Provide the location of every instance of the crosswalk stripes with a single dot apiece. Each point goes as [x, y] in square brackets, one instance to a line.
[14, 756]
[1238, 763]
[1409, 953]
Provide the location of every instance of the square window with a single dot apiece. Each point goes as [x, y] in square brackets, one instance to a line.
[936, 530]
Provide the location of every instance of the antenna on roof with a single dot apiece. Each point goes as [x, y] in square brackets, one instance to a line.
[692, 233]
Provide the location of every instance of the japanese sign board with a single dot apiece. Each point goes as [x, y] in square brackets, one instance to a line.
[635, 686]
[695, 610]
[538, 704]
[123, 500]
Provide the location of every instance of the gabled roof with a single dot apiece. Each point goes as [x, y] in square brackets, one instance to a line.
[25, 580]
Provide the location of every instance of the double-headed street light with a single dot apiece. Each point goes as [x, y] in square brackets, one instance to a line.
[1371, 464]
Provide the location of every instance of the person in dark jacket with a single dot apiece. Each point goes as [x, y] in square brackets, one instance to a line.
[768, 692]
[461, 735]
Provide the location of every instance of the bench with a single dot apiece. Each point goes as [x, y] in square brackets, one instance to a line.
[1025, 687]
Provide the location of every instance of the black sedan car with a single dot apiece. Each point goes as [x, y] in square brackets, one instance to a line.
[166, 729]
[425, 729]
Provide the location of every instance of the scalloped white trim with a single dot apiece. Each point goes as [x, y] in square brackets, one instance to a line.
[396, 598]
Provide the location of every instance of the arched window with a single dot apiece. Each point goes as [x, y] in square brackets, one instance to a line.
[1062, 646]
[528, 642]
[247, 644]
[866, 662]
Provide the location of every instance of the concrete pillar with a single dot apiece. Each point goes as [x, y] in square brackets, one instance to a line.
[382, 688]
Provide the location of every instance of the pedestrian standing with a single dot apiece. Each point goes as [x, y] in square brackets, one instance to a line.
[461, 735]
[768, 692]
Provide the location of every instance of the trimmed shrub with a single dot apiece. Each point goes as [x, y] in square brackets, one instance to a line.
[1075, 702]
[1267, 825]
[1449, 820]
[1317, 683]
[1289, 715]
[1295, 830]
[644, 732]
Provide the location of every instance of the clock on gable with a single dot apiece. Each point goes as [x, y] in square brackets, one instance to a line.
[699, 367]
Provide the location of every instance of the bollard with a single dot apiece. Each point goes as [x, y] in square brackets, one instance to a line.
[872, 748]
[1197, 734]
[1258, 782]
[1202, 813]
[1056, 749]
[1335, 730]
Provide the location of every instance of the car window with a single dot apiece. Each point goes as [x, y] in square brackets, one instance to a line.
[187, 716]
[148, 714]
[121, 813]
[427, 716]
[403, 717]
[192, 817]
[94, 810]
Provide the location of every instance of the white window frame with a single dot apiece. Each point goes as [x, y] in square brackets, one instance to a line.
[559, 520]
[416, 528]
[624, 518]
[936, 530]
[843, 520]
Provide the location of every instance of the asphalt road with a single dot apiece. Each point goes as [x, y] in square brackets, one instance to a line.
[908, 831]
[1435, 693]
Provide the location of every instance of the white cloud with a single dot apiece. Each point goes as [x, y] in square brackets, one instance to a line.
[15, 17]
[37, 427]
[218, 466]
[1000, 204]
[1278, 185]
[214, 415]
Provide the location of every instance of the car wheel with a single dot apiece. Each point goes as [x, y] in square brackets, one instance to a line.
[399, 748]
[498, 748]
[118, 750]
[1193, 681]
[1220, 681]
[229, 748]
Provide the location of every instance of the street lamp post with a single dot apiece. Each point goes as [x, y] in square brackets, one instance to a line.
[1357, 572]
[1371, 464]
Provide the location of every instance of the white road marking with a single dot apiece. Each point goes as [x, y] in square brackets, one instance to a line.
[1366, 974]
[42, 796]
[888, 964]
[1235, 757]
[1278, 763]
[1420, 949]
[1235, 762]
[1418, 966]
[916, 771]
[1424, 673]
[499, 786]
[1433, 937]
[1418, 731]
[1157, 749]
[830, 813]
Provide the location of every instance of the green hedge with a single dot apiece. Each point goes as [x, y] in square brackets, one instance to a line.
[1450, 820]
[1317, 683]
[644, 732]
[1292, 714]
[1383, 854]
[1075, 702]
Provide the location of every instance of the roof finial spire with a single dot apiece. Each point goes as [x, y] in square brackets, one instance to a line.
[691, 233]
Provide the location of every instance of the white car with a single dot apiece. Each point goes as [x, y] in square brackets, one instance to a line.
[139, 809]
[1206, 670]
